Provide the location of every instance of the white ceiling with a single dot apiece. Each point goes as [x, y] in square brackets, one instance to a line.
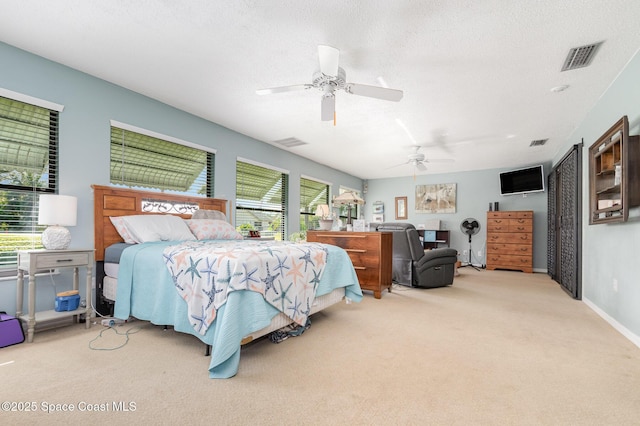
[476, 75]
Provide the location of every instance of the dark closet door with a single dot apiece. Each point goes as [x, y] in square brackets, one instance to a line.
[552, 227]
[564, 254]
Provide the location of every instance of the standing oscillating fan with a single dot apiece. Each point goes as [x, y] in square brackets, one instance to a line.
[470, 227]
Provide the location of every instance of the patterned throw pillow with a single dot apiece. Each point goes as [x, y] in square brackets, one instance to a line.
[208, 214]
[211, 229]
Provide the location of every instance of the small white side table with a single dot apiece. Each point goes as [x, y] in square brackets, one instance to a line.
[35, 261]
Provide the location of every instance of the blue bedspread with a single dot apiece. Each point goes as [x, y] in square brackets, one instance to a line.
[146, 291]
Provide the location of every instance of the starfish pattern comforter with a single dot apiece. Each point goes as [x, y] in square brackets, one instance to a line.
[285, 274]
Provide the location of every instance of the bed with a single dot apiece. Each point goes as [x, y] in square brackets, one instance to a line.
[160, 282]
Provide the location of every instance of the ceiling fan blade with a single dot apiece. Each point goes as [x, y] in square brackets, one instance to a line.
[283, 89]
[398, 165]
[420, 166]
[440, 160]
[328, 60]
[374, 92]
[328, 107]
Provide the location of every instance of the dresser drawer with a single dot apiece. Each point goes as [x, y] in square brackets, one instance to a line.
[45, 260]
[344, 240]
[55, 260]
[506, 260]
[511, 214]
[367, 277]
[510, 238]
[517, 249]
[510, 225]
[520, 225]
[363, 257]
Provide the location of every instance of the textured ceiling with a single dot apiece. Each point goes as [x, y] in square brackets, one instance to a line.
[476, 75]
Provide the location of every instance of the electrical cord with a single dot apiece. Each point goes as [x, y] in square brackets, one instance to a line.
[93, 308]
[53, 282]
[131, 330]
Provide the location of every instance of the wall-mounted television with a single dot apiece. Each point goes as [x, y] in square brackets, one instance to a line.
[522, 181]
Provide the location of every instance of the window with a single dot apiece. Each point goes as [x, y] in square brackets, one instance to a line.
[261, 199]
[312, 193]
[28, 168]
[142, 159]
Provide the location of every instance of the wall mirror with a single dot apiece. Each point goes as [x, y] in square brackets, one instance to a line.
[401, 208]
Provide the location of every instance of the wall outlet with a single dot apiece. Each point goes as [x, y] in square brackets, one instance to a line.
[464, 252]
[479, 253]
[615, 285]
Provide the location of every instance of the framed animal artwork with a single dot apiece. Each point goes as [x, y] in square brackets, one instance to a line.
[436, 198]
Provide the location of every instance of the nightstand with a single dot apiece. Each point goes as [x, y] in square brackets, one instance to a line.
[38, 261]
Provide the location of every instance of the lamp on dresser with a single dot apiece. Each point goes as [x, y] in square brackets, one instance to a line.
[348, 199]
[57, 211]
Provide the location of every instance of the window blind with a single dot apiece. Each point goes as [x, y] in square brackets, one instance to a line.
[28, 167]
[142, 161]
[312, 194]
[261, 199]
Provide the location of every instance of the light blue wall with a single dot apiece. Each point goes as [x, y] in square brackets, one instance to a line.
[474, 191]
[89, 105]
[611, 252]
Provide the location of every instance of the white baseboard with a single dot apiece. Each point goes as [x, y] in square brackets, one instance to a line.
[635, 339]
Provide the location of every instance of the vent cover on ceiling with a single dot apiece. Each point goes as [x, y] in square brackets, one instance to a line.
[538, 142]
[290, 142]
[580, 57]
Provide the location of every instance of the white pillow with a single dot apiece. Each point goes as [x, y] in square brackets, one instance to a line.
[210, 229]
[156, 227]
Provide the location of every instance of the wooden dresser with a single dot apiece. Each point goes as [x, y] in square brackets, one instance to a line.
[510, 240]
[370, 252]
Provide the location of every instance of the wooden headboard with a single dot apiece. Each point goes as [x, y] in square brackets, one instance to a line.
[110, 201]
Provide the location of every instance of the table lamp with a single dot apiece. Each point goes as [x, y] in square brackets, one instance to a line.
[349, 199]
[57, 211]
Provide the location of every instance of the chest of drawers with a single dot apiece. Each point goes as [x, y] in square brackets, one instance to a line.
[370, 252]
[510, 240]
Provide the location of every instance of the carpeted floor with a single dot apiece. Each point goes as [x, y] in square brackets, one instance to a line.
[496, 348]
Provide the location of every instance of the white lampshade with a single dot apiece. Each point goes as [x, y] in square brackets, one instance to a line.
[57, 211]
[348, 198]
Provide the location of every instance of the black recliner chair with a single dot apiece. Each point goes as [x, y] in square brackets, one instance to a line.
[415, 267]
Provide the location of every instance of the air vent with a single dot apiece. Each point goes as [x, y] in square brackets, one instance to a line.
[290, 142]
[538, 142]
[580, 57]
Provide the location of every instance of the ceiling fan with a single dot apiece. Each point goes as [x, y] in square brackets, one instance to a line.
[330, 78]
[418, 160]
